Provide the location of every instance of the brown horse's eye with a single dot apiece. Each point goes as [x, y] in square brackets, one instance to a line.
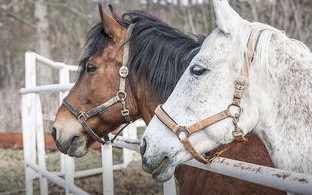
[91, 68]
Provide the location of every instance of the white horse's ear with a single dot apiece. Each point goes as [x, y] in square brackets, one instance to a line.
[226, 16]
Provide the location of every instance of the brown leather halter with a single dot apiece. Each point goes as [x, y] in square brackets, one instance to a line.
[119, 98]
[183, 132]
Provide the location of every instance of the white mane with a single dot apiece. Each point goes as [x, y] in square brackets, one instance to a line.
[284, 67]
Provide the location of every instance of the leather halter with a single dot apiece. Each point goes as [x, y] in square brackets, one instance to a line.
[183, 132]
[119, 98]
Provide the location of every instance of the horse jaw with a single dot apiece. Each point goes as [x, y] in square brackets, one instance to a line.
[226, 17]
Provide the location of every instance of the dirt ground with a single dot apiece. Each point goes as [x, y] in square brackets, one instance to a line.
[131, 180]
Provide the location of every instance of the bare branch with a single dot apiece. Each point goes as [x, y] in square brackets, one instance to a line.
[18, 18]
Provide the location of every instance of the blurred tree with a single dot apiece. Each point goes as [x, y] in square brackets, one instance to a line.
[43, 43]
[56, 29]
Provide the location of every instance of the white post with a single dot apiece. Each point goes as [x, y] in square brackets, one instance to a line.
[67, 162]
[129, 132]
[69, 172]
[107, 164]
[169, 187]
[41, 146]
[63, 79]
[28, 121]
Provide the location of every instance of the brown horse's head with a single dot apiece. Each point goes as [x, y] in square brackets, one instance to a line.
[158, 56]
[98, 82]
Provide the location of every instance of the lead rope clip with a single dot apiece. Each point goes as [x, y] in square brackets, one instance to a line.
[238, 133]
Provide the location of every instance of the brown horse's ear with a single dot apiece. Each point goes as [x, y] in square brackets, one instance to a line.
[114, 14]
[111, 27]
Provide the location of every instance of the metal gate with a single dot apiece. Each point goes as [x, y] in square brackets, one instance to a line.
[33, 136]
[34, 152]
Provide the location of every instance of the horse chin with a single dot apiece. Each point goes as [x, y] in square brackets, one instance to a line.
[77, 152]
[164, 172]
[76, 146]
[164, 175]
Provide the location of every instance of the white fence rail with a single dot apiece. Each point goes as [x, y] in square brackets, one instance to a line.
[35, 166]
[33, 135]
[276, 178]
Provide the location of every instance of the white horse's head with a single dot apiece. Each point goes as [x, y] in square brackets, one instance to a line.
[205, 89]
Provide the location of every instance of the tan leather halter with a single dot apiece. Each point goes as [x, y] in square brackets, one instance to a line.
[82, 116]
[184, 132]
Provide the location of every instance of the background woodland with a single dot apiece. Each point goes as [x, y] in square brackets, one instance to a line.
[57, 28]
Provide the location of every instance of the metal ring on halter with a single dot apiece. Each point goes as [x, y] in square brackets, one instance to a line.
[123, 71]
[122, 95]
[80, 116]
[235, 115]
[182, 129]
[125, 112]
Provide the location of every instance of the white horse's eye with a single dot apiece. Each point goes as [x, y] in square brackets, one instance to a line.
[198, 69]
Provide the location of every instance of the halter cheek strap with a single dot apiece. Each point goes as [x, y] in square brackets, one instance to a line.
[82, 116]
[183, 132]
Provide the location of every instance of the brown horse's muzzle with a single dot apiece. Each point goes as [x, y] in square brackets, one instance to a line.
[74, 145]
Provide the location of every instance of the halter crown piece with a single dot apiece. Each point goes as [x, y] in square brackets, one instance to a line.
[82, 116]
[184, 132]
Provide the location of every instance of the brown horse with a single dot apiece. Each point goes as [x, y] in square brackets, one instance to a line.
[158, 55]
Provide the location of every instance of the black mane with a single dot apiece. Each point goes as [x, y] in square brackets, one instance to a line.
[159, 53]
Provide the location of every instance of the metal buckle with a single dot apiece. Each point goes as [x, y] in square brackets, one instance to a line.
[240, 84]
[182, 129]
[82, 117]
[234, 115]
[123, 71]
[122, 95]
[125, 112]
[237, 132]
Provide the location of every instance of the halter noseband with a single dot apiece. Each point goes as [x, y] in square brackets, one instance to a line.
[82, 116]
[183, 132]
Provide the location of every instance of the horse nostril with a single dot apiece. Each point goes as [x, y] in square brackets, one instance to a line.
[143, 147]
[53, 133]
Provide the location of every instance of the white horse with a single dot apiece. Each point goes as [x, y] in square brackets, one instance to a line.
[276, 103]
